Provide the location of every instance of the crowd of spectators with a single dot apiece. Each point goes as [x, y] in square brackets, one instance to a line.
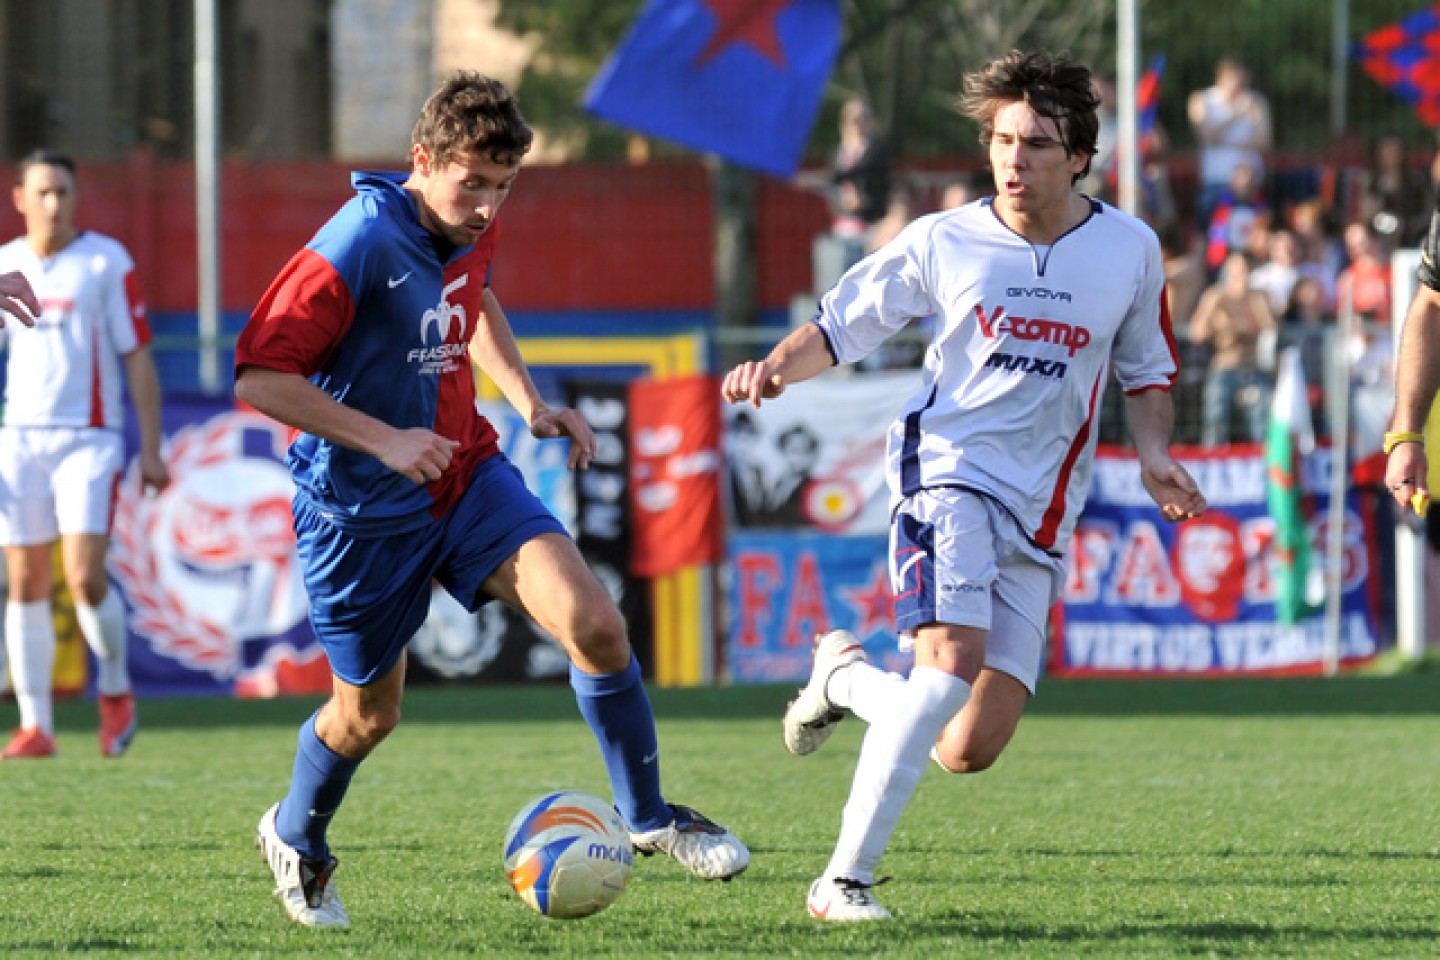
[1308, 258]
[1252, 266]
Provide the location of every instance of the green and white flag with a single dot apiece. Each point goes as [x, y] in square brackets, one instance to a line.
[1298, 589]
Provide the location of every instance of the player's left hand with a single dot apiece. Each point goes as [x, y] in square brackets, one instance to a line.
[548, 423]
[1171, 486]
[154, 474]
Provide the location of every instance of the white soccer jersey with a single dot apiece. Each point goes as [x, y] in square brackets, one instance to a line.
[1024, 337]
[66, 371]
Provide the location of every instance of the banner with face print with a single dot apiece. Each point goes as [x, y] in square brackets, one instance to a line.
[1143, 596]
[815, 457]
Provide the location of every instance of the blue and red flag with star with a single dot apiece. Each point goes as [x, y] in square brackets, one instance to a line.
[1405, 57]
[738, 78]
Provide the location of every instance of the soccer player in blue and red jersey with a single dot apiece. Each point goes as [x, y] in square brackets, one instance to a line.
[361, 344]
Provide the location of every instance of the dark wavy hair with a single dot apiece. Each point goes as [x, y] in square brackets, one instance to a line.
[471, 113]
[1054, 85]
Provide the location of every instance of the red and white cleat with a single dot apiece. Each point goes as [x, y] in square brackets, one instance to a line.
[117, 723]
[30, 743]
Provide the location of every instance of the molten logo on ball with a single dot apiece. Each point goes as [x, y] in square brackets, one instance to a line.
[568, 854]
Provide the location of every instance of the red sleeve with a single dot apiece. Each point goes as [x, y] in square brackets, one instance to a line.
[136, 307]
[299, 320]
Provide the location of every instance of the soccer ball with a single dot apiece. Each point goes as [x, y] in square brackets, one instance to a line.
[568, 854]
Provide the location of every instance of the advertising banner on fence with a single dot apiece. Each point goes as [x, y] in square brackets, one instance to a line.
[207, 567]
[212, 584]
[1143, 596]
[674, 474]
[787, 587]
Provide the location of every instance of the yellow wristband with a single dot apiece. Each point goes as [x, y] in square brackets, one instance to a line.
[1393, 440]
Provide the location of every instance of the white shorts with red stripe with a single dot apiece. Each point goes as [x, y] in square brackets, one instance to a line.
[57, 480]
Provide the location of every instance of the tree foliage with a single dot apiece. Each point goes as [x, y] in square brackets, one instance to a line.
[577, 37]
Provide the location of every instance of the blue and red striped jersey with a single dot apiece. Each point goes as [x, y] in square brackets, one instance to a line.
[372, 315]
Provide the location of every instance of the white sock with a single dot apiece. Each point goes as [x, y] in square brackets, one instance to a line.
[103, 628]
[892, 759]
[30, 640]
[865, 690]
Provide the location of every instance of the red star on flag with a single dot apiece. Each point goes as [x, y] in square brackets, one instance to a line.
[746, 21]
[873, 603]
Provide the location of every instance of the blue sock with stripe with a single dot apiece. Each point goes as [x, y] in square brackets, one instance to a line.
[317, 786]
[617, 708]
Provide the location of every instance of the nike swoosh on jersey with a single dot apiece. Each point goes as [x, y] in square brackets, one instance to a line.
[395, 282]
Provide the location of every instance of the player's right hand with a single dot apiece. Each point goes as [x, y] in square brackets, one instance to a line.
[753, 380]
[418, 454]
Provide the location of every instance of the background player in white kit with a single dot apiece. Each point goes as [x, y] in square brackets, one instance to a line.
[1034, 294]
[62, 447]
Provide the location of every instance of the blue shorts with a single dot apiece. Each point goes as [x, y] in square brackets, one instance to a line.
[369, 595]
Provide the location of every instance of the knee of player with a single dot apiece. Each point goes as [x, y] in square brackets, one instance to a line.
[89, 589]
[374, 725]
[967, 759]
[601, 635]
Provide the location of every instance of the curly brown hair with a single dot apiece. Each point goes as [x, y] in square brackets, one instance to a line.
[471, 113]
[1054, 85]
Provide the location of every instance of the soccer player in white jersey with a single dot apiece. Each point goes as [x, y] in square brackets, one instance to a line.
[1035, 294]
[62, 448]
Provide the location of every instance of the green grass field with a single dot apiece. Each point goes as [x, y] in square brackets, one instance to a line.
[1203, 819]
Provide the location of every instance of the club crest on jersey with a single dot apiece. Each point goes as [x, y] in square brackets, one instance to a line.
[208, 566]
[438, 353]
[443, 316]
[1072, 337]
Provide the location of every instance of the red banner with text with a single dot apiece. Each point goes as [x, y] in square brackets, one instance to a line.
[675, 465]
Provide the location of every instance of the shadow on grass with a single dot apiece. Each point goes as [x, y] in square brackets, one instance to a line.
[1199, 938]
[1416, 694]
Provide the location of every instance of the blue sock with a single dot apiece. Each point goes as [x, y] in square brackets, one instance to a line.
[316, 788]
[617, 709]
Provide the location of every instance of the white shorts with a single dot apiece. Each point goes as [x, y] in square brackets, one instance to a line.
[57, 480]
[959, 557]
